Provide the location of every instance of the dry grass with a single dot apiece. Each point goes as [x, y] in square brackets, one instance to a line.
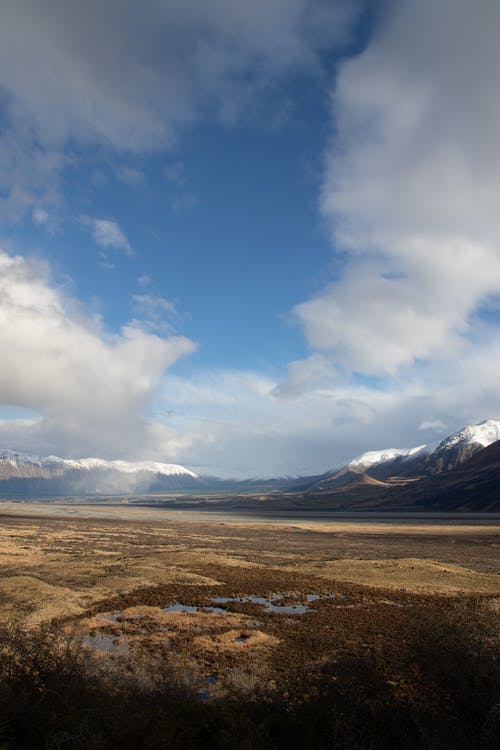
[411, 574]
[400, 607]
[438, 690]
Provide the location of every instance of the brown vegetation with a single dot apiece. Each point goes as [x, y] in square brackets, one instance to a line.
[440, 689]
[389, 636]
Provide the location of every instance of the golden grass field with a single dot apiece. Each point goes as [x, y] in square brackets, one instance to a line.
[54, 565]
[131, 627]
[111, 572]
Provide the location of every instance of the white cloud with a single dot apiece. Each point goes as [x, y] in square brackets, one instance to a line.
[107, 233]
[91, 393]
[432, 425]
[238, 425]
[412, 189]
[128, 76]
[303, 374]
[411, 194]
[89, 388]
[29, 172]
[154, 304]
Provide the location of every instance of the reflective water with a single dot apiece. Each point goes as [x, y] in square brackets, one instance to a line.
[193, 608]
[111, 616]
[241, 639]
[267, 602]
[271, 603]
[104, 642]
[318, 597]
[180, 608]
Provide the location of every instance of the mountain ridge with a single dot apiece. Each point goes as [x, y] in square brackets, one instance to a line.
[30, 475]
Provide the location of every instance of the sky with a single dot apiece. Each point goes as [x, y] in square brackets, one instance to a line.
[254, 239]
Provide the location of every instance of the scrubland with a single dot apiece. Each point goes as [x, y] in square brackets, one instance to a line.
[143, 632]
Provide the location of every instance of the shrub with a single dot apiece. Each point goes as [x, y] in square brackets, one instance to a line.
[56, 694]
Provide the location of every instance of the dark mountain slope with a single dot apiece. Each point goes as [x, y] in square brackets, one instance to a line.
[474, 485]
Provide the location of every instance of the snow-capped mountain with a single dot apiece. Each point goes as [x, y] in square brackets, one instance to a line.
[375, 458]
[484, 433]
[29, 475]
[25, 473]
[461, 445]
[21, 461]
[472, 485]
[125, 467]
[450, 452]
[408, 463]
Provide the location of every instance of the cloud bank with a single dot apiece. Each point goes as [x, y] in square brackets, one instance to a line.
[89, 389]
[412, 189]
[242, 423]
[127, 76]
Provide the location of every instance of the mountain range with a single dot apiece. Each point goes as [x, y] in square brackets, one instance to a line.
[462, 471]
[25, 474]
[422, 460]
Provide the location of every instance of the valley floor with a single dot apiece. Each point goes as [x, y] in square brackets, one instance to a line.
[57, 566]
[241, 605]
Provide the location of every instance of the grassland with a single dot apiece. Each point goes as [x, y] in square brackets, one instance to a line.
[376, 596]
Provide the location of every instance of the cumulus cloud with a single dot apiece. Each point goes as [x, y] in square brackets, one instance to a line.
[412, 188]
[302, 374]
[89, 392]
[239, 426]
[411, 194]
[90, 389]
[127, 76]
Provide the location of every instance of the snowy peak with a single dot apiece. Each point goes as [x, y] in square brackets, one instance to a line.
[126, 467]
[26, 474]
[484, 433]
[396, 465]
[452, 451]
[18, 459]
[455, 448]
[374, 458]
[463, 444]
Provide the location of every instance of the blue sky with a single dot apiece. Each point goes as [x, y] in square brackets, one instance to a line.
[252, 240]
[225, 224]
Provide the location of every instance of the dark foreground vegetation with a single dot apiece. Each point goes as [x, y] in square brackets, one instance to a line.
[442, 691]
